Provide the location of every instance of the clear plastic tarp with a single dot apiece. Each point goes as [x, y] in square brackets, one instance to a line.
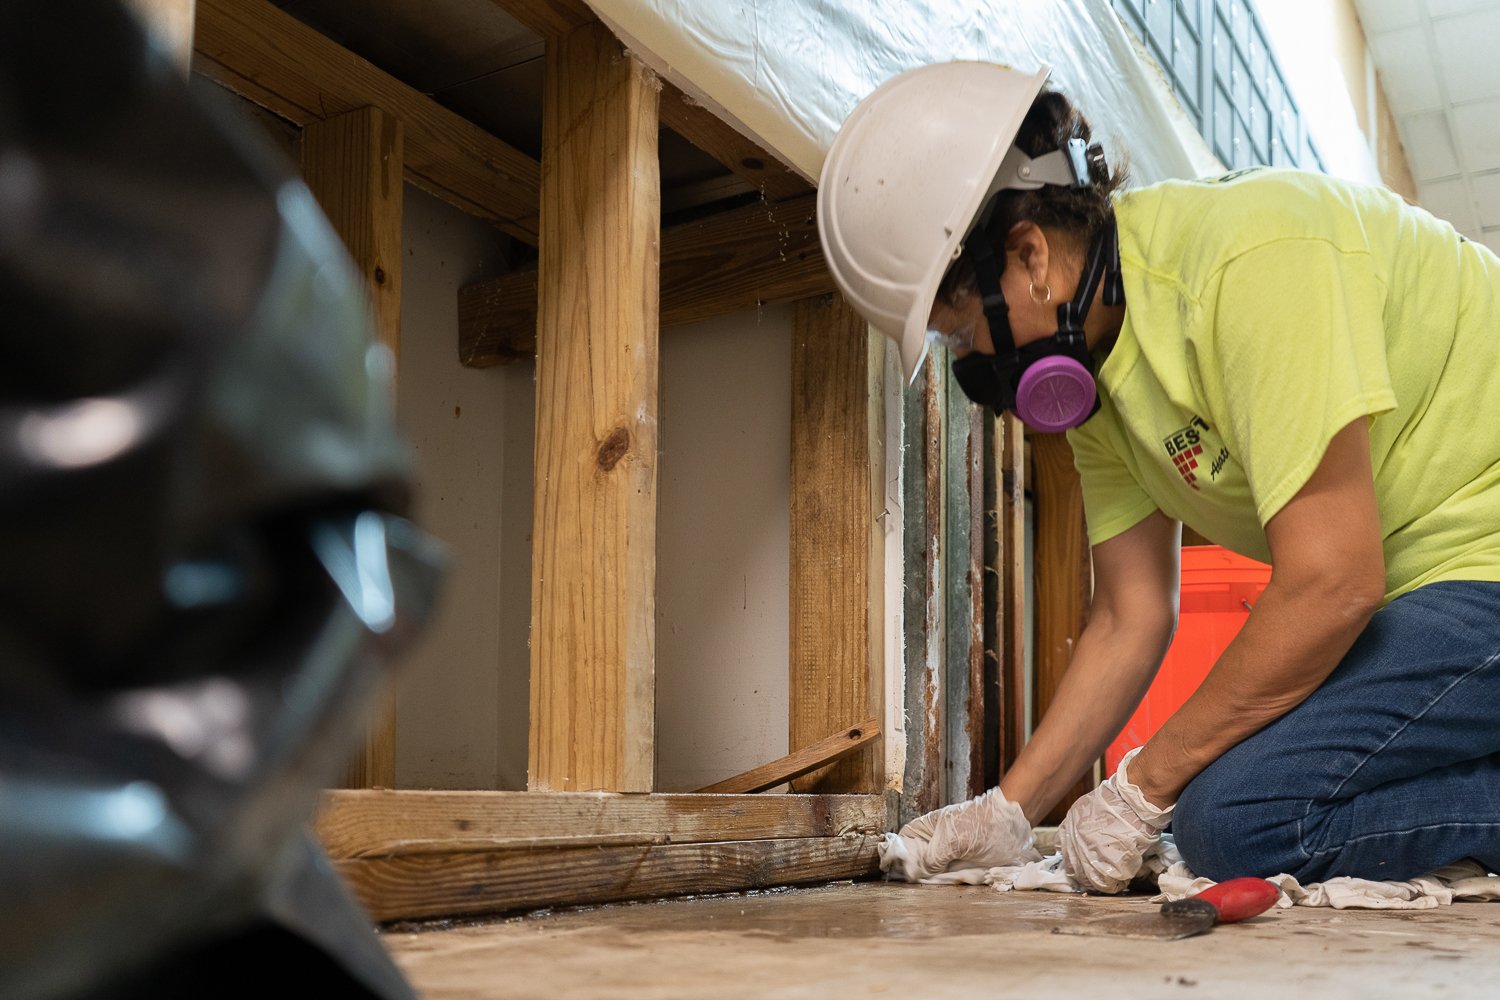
[787, 72]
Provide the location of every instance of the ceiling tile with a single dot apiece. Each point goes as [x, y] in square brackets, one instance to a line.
[1446, 8]
[1486, 189]
[1429, 146]
[1466, 54]
[1448, 200]
[1383, 15]
[1410, 79]
[1478, 138]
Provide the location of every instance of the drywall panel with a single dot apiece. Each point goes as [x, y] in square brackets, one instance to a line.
[787, 72]
[722, 547]
[461, 712]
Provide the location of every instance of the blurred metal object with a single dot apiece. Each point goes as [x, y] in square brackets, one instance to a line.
[205, 570]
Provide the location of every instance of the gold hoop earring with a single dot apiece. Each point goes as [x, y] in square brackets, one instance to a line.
[1031, 290]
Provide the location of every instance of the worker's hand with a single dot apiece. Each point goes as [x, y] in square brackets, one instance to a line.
[1107, 834]
[987, 831]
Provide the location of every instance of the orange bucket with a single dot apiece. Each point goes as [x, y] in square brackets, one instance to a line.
[1218, 590]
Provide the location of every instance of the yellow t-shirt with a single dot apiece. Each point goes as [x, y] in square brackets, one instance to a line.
[1265, 311]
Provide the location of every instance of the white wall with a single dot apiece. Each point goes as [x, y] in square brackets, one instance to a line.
[462, 695]
[722, 547]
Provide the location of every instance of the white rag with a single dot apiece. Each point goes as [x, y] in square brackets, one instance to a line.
[1466, 880]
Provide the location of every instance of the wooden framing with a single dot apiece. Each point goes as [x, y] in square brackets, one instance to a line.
[836, 593]
[593, 599]
[269, 57]
[693, 122]
[414, 855]
[591, 206]
[1010, 574]
[352, 163]
[963, 526]
[735, 260]
[1064, 576]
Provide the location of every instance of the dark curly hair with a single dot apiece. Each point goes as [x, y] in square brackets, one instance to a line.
[1082, 212]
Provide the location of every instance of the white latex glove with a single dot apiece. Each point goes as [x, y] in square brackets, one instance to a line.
[1107, 834]
[988, 831]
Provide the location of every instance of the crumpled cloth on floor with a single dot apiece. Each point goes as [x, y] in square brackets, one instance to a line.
[1466, 880]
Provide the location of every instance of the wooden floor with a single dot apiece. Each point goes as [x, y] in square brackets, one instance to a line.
[894, 940]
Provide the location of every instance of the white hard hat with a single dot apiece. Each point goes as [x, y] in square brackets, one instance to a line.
[908, 174]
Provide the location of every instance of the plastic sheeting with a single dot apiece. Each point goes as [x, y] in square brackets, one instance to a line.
[787, 72]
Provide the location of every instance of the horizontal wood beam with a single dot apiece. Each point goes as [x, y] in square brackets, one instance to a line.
[740, 259]
[716, 137]
[270, 58]
[359, 823]
[428, 886]
[548, 18]
[795, 765]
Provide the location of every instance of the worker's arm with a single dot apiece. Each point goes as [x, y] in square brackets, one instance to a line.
[1131, 620]
[1327, 580]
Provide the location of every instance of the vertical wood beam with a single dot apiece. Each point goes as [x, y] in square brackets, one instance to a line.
[835, 592]
[1010, 447]
[353, 163]
[593, 604]
[1064, 576]
[171, 21]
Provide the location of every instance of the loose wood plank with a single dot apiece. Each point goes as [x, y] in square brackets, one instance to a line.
[593, 608]
[358, 823]
[833, 657]
[425, 886]
[269, 57]
[795, 765]
[740, 259]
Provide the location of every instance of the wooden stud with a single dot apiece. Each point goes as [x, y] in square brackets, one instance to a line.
[418, 886]
[736, 260]
[723, 142]
[269, 57]
[1064, 576]
[353, 165]
[359, 824]
[831, 679]
[171, 21]
[593, 610]
[1011, 461]
[794, 765]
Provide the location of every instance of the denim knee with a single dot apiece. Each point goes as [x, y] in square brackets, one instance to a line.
[1225, 828]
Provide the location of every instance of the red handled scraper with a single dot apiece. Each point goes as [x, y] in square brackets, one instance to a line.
[1225, 903]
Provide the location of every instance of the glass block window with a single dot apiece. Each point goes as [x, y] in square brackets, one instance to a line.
[1215, 54]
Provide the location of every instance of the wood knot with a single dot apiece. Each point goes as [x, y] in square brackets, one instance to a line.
[379, 275]
[613, 448]
[753, 163]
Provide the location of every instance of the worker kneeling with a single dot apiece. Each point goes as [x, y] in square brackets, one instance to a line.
[1295, 366]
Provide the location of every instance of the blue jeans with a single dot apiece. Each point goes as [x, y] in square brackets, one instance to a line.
[1387, 771]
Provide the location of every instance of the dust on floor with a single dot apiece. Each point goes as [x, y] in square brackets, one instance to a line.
[911, 941]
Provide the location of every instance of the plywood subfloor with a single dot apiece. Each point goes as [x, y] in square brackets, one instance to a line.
[892, 940]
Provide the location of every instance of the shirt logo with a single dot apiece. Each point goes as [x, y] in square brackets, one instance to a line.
[1183, 448]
